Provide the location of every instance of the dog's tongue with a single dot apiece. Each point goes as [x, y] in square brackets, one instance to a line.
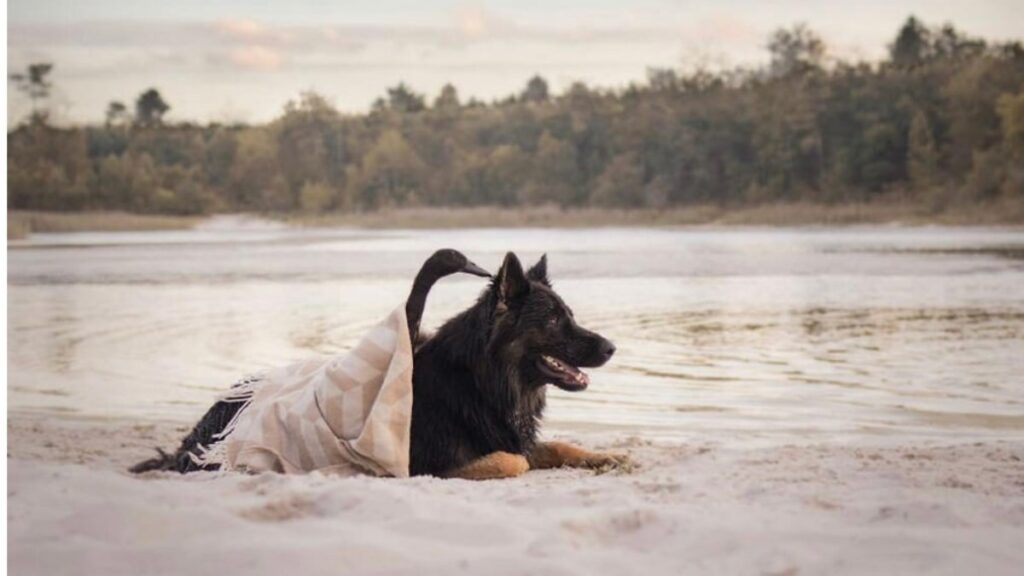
[584, 378]
[575, 376]
[571, 377]
[575, 379]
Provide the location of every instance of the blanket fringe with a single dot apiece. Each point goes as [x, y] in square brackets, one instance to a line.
[216, 453]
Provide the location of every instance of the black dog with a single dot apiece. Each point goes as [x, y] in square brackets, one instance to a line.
[479, 383]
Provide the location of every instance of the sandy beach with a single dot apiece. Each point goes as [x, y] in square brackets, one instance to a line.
[703, 508]
[794, 401]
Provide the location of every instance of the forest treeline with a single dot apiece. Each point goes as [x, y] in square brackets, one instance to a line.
[940, 121]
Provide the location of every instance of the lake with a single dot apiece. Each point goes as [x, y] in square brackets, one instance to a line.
[746, 335]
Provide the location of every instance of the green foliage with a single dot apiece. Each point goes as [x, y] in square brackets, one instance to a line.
[795, 51]
[912, 44]
[150, 108]
[448, 99]
[555, 175]
[390, 173]
[922, 153]
[117, 113]
[620, 184]
[309, 146]
[35, 84]
[941, 121]
[1011, 116]
[988, 172]
[315, 197]
[401, 99]
[255, 181]
[536, 91]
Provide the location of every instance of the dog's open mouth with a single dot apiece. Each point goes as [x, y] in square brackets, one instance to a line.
[565, 376]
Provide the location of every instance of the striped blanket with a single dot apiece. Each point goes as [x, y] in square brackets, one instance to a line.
[344, 414]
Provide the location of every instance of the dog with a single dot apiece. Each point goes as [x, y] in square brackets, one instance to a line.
[479, 382]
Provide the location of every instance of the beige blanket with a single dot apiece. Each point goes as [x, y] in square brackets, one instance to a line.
[345, 414]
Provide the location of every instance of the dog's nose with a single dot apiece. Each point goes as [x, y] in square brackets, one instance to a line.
[607, 350]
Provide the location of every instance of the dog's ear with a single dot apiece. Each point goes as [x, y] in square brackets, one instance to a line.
[539, 271]
[510, 282]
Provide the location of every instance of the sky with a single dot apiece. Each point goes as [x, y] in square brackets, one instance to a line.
[242, 60]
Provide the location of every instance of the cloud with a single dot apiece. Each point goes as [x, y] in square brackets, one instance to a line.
[471, 25]
[240, 28]
[105, 48]
[471, 21]
[728, 28]
[484, 52]
[256, 57]
[252, 32]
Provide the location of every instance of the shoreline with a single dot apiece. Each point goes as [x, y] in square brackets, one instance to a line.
[780, 215]
[693, 507]
[22, 223]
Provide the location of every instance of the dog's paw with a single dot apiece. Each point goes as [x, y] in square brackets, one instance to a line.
[606, 462]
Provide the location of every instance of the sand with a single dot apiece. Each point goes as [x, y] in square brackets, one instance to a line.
[702, 507]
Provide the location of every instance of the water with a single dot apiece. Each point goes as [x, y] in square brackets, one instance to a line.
[743, 335]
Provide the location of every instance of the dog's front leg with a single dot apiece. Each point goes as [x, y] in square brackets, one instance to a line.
[492, 466]
[558, 454]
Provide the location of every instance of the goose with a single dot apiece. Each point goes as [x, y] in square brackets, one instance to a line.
[442, 263]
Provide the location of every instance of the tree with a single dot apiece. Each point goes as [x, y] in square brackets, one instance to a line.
[880, 157]
[315, 197]
[912, 44]
[922, 153]
[117, 113]
[401, 99]
[662, 79]
[555, 174]
[180, 191]
[621, 185]
[492, 179]
[35, 85]
[951, 44]
[310, 142]
[1011, 115]
[448, 99]
[256, 180]
[536, 91]
[971, 91]
[219, 156]
[942, 116]
[987, 175]
[390, 174]
[150, 108]
[128, 182]
[795, 51]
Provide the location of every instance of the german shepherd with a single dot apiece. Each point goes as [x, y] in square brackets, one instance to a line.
[478, 383]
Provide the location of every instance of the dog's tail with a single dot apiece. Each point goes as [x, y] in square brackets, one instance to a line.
[162, 461]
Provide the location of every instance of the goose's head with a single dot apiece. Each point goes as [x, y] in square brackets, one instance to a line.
[448, 261]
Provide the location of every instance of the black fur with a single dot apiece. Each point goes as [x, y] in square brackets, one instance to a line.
[478, 384]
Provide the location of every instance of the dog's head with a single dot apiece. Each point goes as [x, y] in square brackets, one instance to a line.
[536, 331]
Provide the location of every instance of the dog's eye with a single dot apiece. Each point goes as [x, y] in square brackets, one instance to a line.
[553, 321]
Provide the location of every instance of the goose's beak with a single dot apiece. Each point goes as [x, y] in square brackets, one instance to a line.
[475, 270]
